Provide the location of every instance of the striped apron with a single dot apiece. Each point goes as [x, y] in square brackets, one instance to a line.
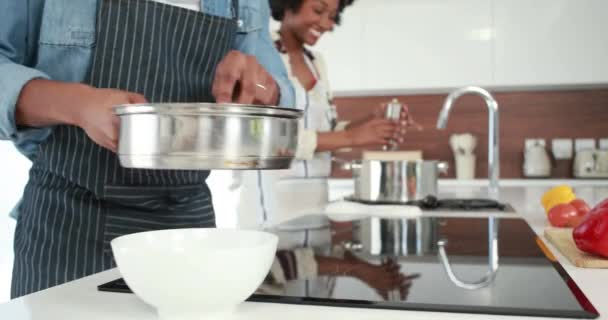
[78, 197]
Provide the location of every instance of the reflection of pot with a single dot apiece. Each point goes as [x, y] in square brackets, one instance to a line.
[420, 237]
[396, 181]
[398, 237]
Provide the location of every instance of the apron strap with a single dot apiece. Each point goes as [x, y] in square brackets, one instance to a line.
[235, 9]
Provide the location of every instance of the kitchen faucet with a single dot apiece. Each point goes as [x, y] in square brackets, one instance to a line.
[493, 159]
[493, 192]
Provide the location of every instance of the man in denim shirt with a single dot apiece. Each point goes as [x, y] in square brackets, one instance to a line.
[64, 64]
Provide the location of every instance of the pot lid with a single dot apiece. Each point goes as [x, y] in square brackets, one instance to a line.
[207, 109]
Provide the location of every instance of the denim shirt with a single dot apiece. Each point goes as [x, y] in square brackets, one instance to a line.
[54, 39]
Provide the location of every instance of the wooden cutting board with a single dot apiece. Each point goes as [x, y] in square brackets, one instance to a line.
[392, 155]
[561, 238]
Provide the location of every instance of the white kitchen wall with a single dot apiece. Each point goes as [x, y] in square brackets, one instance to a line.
[13, 176]
[347, 50]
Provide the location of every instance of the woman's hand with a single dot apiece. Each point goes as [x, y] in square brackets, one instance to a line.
[405, 122]
[405, 118]
[384, 278]
[96, 116]
[240, 78]
[374, 132]
[374, 129]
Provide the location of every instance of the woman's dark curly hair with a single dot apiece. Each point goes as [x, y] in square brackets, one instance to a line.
[278, 8]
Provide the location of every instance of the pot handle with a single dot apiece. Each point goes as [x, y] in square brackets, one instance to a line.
[443, 167]
[352, 245]
[347, 164]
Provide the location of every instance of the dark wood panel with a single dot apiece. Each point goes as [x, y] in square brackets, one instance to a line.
[516, 239]
[547, 114]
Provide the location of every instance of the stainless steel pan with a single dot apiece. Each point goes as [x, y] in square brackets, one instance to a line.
[207, 136]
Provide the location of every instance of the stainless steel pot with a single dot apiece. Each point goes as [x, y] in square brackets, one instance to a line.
[396, 181]
[206, 136]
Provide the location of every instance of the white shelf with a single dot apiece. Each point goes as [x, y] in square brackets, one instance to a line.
[527, 182]
[348, 183]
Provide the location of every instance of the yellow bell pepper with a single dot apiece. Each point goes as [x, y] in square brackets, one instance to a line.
[557, 195]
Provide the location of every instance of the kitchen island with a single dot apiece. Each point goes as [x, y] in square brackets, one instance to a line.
[81, 300]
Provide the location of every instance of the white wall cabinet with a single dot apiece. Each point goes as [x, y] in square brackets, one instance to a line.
[387, 45]
[425, 44]
[546, 42]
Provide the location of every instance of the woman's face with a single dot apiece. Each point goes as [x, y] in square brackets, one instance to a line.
[314, 18]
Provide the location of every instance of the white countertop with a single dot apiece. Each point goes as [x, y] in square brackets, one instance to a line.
[81, 300]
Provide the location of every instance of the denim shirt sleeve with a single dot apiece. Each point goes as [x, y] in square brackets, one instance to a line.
[254, 38]
[18, 36]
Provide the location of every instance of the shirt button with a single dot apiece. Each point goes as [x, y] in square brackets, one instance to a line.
[239, 23]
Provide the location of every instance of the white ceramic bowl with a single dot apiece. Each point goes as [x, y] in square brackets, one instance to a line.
[194, 273]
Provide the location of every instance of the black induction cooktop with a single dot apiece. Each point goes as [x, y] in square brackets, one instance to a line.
[430, 203]
[526, 282]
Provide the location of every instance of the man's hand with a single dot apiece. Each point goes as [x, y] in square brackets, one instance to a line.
[241, 79]
[45, 103]
[97, 117]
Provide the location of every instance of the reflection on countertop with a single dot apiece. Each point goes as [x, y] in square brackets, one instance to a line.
[520, 287]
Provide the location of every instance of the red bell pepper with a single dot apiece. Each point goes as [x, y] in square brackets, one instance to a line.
[591, 235]
[603, 204]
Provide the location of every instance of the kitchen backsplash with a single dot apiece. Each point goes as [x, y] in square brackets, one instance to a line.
[528, 114]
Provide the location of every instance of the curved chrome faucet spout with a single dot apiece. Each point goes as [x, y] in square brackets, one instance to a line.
[493, 131]
[493, 191]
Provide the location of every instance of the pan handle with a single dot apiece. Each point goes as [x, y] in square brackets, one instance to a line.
[443, 167]
[347, 165]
